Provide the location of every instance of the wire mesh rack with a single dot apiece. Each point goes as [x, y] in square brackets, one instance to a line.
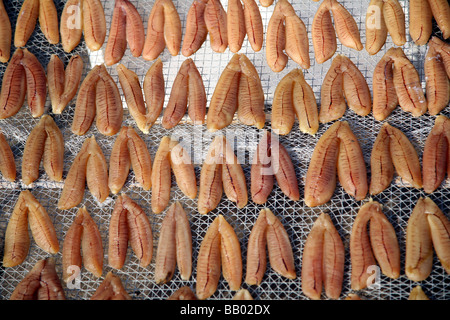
[398, 200]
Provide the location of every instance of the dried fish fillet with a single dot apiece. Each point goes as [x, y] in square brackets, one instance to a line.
[174, 246]
[82, 246]
[420, 21]
[145, 107]
[48, 20]
[5, 34]
[379, 245]
[28, 212]
[323, 260]
[129, 224]
[324, 33]
[219, 251]
[344, 80]
[83, 17]
[385, 98]
[407, 84]
[428, 228]
[435, 159]
[23, 77]
[111, 289]
[94, 24]
[129, 152]
[188, 91]
[99, 99]
[211, 185]
[441, 13]
[7, 162]
[286, 32]
[45, 143]
[163, 30]
[221, 173]
[294, 97]
[89, 167]
[196, 30]
[244, 19]
[268, 232]
[239, 89]
[337, 154]
[436, 75]
[393, 150]
[41, 283]
[270, 161]
[63, 83]
[126, 28]
[26, 22]
[71, 25]
[419, 244]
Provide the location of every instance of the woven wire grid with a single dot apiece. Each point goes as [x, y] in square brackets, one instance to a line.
[398, 200]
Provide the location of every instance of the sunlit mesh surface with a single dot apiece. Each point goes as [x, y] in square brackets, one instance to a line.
[398, 199]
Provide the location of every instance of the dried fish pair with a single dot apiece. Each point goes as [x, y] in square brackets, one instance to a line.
[437, 74]
[205, 17]
[221, 172]
[188, 93]
[238, 89]
[286, 32]
[396, 82]
[5, 34]
[174, 246]
[144, 111]
[323, 260]
[82, 246]
[171, 156]
[7, 161]
[219, 251]
[41, 283]
[379, 245]
[337, 154]
[89, 167]
[383, 17]
[45, 143]
[98, 98]
[111, 288]
[24, 77]
[163, 30]
[392, 151]
[294, 97]
[270, 160]
[324, 33]
[421, 13]
[28, 212]
[436, 155]
[129, 151]
[83, 17]
[63, 83]
[244, 18]
[343, 85]
[129, 224]
[126, 28]
[268, 231]
[29, 13]
[428, 228]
